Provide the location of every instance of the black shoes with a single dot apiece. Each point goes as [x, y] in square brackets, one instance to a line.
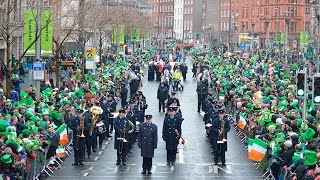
[143, 172]
[94, 150]
[80, 163]
[168, 163]
[223, 164]
[75, 164]
[149, 172]
[118, 163]
[124, 163]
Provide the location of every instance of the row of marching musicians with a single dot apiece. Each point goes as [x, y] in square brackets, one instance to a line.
[95, 122]
[217, 125]
[148, 135]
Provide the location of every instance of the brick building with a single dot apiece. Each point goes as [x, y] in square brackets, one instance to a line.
[263, 21]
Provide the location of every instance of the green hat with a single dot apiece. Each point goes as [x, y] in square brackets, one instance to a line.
[25, 132]
[271, 126]
[299, 122]
[311, 119]
[310, 158]
[266, 100]
[29, 114]
[249, 107]
[3, 128]
[35, 118]
[266, 116]
[6, 159]
[43, 124]
[307, 136]
[23, 95]
[281, 137]
[56, 115]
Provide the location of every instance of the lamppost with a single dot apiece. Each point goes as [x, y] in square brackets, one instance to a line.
[252, 24]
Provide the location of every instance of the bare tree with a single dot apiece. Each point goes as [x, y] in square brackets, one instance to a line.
[13, 26]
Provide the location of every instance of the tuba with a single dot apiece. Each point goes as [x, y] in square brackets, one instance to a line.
[95, 110]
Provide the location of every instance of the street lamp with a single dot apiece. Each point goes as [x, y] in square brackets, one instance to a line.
[252, 24]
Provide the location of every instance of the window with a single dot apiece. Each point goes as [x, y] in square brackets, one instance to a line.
[307, 11]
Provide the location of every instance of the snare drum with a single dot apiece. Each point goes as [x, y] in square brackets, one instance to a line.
[101, 128]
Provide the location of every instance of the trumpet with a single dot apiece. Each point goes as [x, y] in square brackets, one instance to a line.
[95, 110]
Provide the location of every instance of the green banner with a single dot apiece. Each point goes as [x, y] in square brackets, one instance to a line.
[29, 35]
[118, 34]
[276, 37]
[304, 38]
[283, 38]
[147, 36]
[46, 33]
[136, 34]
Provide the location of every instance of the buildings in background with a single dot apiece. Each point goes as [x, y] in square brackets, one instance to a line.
[262, 24]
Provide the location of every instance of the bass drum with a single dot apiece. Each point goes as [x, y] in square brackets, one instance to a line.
[101, 128]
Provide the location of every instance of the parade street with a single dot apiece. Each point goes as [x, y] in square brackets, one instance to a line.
[192, 163]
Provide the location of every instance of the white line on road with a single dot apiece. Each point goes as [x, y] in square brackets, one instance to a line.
[210, 169]
[215, 169]
[103, 147]
[116, 169]
[172, 168]
[229, 169]
[96, 158]
[100, 152]
[106, 143]
[89, 169]
[154, 167]
[86, 174]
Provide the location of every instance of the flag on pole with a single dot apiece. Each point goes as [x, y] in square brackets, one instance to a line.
[258, 150]
[62, 131]
[250, 144]
[242, 122]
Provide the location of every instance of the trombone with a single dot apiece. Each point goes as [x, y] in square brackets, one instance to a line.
[78, 131]
[122, 137]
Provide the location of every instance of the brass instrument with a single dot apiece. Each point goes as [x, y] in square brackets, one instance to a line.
[78, 131]
[95, 110]
[221, 137]
[122, 137]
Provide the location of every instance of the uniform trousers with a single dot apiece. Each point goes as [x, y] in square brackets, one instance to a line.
[162, 105]
[221, 154]
[123, 155]
[171, 155]
[147, 164]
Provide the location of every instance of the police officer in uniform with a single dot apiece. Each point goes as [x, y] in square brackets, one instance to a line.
[91, 141]
[202, 90]
[124, 94]
[121, 127]
[171, 134]
[79, 142]
[147, 141]
[219, 149]
[162, 96]
[172, 98]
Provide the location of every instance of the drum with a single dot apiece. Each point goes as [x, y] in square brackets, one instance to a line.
[101, 128]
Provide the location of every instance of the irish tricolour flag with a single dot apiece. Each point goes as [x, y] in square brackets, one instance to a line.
[250, 144]
[62, 131]
[242, 121]
[258, 149]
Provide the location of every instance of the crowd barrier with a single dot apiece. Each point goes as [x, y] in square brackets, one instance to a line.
[40, 167]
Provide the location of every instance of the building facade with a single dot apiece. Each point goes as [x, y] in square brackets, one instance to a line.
[178, 19]
[259, 24]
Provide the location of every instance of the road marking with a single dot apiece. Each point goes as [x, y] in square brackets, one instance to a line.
[229, 169]
[106, 143]
[96, 158]
[100, 152]
[215, 169]
[180, 157]
[210, 169]
[103, 147]
[116, 169]
[86, 174]
[89, 169]
[172, 168]
[154, 167]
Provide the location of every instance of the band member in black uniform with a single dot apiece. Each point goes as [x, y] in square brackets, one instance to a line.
[169, 102]
[112, 106]
[91, 139]
[162, 96]
[142, 106]
[124, 94]
[202, 90]
[147, 141]
[121, 127]
[218, 136]
[151, 71]
[78, 126]
[171, 134]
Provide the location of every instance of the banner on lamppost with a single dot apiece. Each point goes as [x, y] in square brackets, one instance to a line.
[243, 37]
[304, 38]
[135, 34]
[46, 32]
[283, 38]
[118, 34]
[276, 37]
[147, 36]
[30, 28]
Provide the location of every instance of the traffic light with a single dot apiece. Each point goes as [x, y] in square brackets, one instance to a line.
[316, 89]
[301, 80]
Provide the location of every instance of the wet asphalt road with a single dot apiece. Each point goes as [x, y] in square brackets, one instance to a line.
[196, 162]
